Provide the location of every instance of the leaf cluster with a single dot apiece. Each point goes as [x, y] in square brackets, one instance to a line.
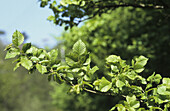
[121, 79]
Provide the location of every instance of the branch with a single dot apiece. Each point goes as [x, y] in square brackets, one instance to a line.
[135, 6]
[95, 92]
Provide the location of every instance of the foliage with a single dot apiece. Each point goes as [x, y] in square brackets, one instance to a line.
[21, 92]
[72, 12]
[83, 102]
[137, 92]
[126, 32]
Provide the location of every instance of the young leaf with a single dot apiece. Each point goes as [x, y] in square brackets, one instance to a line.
[114, 68]
[113, 59]
[26, 63]
[53, 54]
[120, 107]
[79, 47]
[87, 61]
[12, 52]
[93, 70]
[166, 81]
[35, 59]
[26, 47]
[33, 50]
[162, 90]
[104, 85]
[69, 61]
[58, 78]
[140, 63]
[17, 38]
[8, 47]
[42, 69]
[17, 65]
[70, 76]
[106, 88]
[135, 104]
[51, 18]
[119, 83]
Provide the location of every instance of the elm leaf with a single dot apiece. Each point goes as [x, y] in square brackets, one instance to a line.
[42, 69]
[26, 63]
[17, 38]
[12, 52]
[79, 47]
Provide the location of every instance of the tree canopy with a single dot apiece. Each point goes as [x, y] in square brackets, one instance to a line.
[72, 12]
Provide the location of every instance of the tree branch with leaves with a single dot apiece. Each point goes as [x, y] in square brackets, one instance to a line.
[72, 12]
[121, 79]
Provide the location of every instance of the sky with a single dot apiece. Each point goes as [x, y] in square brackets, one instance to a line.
[27, 16]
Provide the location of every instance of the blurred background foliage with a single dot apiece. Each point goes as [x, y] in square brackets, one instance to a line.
[20, 91]
[126, 32]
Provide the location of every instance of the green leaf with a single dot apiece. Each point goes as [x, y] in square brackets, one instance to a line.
[150, 78]
[131, 109]
[104, 85]
[17, 38]
[130, 98]
[149, 85]
[139, 70]
[130, 76]
[75, 88]
[26, 47]
[114, 68]
[140, 63]
[93, 70]
[17, 65]
[120, 107]
[70, 76]
[42, 53]
[119, 83]
[112, 109]
[162, 90]
[8, 47]
[42, 69]
[135, 104]
[158, 78]
[44, 61]
[76, 70]
[26, 63]
[87, 61]
[79, 47]
[35, 59]
[113, 59]
[33, 50]
[53, 55]
[166, 81]
[106, 88]
[12, 52]
[57, 78]
[51, 18]
[69, 61]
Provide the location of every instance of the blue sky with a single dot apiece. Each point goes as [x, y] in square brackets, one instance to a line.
[27, 16]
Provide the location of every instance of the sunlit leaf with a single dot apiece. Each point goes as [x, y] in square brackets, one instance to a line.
[79, 47]
[26, 63]
[42, 69]
[12, 52]
[17, 38]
